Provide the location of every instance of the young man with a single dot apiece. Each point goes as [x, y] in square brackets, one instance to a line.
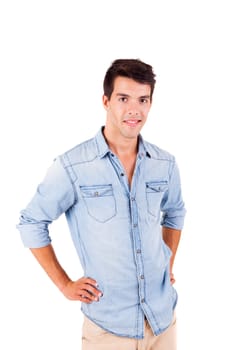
[113, 190]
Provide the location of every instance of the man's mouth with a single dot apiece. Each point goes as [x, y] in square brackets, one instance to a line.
[132, 122]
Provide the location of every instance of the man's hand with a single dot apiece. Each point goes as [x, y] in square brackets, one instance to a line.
[172, 278]
[84, 289]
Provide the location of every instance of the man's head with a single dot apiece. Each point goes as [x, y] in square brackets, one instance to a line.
[130, 68]
[128, 90]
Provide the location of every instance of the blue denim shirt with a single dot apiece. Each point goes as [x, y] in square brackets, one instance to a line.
[116, 229]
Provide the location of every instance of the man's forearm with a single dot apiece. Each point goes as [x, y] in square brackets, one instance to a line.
[172, 238]
[48, 260]
[84, 289]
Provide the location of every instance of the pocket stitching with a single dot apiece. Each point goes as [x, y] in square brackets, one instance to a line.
[95, 192]
[154, 188]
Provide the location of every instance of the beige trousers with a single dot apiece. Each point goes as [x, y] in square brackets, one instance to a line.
[95, 338]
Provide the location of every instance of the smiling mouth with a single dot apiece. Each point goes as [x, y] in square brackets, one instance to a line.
[132, 122]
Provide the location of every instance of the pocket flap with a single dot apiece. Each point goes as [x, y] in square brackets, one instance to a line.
[96, 191]
[156, 186]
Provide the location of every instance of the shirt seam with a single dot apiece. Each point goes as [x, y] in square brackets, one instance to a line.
[69, 175]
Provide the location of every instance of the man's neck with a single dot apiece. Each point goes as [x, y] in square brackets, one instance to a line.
[126, 150]
[122, 147]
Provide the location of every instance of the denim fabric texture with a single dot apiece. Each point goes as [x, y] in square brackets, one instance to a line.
[116, 229]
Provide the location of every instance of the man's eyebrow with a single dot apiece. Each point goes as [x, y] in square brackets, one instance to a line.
[121, 94]
[126, 95]
[145, 96]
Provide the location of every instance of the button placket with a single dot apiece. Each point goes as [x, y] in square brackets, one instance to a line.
[137, 245]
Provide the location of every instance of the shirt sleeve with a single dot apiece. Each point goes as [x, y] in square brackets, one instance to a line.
[172, 206]
[54, 196]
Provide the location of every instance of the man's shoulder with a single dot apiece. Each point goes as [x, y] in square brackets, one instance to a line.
[85, 151]
[156, 152]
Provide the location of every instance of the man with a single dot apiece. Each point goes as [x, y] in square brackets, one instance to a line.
[113, 190]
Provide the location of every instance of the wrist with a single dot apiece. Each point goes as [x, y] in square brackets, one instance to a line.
[63, 283]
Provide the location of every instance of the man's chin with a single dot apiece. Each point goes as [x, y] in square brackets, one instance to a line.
[131, 136]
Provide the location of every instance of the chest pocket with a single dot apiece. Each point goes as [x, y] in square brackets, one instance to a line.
[100, 201]
[155, 191]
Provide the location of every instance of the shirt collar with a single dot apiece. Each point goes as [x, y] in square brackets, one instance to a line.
[104, 149]
[142, 149]
[102, 146]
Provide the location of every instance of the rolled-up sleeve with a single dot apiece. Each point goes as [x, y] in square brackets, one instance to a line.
[54, 196]
[172, 206]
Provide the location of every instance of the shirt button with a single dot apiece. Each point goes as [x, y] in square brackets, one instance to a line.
[135, 225]
[142, 300]
[142, 277]
[122, 174]
[138, 251]
[132, 199]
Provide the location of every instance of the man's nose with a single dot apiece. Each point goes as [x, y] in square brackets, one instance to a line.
[133, 110]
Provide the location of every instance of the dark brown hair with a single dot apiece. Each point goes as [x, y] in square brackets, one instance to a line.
[130, 68]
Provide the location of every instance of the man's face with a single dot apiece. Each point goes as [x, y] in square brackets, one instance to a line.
[127, 108]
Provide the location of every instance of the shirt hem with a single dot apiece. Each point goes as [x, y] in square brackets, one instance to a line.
[112, 332]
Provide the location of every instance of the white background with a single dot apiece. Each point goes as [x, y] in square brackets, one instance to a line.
[54, 55]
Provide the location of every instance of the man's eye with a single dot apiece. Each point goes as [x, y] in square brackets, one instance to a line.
[144, 100]
[123, 99]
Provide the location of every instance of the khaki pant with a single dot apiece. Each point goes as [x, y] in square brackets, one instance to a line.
[95, 338]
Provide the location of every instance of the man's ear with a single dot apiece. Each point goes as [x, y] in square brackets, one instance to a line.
[105, 102]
